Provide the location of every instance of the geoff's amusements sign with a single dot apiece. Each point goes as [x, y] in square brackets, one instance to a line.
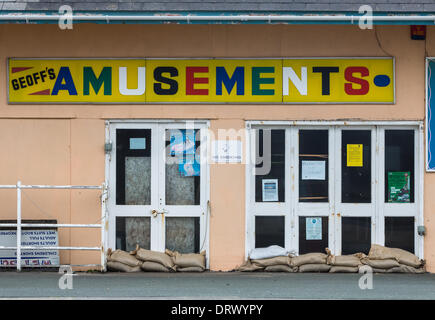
[322, 80]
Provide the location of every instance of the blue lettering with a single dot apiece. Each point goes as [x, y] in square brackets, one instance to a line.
[64, 74]
[237, 77]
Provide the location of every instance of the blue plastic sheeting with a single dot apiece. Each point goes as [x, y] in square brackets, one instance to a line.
[430, 116]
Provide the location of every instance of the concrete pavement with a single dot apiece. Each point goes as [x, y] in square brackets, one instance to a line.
[216, 285]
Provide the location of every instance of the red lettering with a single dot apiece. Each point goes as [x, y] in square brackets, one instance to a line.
[191, 80]
[348, 75]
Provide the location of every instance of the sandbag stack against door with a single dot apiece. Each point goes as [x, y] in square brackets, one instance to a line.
[344, 264]
[393, 260]
[311, 262]
[277, 259]
[275, 264]
[380, 259]
[187, 262]
[270, 259]
[123, 261]
[154, 261]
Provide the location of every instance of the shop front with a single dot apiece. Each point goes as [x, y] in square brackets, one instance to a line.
[220, 138]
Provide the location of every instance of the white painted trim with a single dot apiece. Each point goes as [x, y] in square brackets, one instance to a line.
[420, 216]
[284, 123]
[248, 171]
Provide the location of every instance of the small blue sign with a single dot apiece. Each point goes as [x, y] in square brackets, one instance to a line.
[137, 143]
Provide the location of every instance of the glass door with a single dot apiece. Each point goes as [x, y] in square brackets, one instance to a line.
[355, 189]
[344, 187]
[399, 188]
[314, 189]
[133, 188]
[157, 187]
[182, 188]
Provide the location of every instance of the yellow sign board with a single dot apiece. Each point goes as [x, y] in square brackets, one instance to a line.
[354, 155]
[298, 81]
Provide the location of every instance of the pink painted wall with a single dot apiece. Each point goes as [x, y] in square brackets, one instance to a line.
[63, 144]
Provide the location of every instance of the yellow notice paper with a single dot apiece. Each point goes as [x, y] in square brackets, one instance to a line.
[354, 155]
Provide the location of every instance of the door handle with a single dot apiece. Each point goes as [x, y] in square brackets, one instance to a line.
[155, 212]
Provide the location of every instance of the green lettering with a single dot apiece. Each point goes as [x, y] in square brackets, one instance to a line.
[104, 78]
[257, 81]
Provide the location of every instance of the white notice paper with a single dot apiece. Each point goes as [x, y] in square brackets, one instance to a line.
[313, 170]
[227, 151]
[270, 189]
[313, 228]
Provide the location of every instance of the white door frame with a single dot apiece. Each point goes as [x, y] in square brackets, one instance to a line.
[311, 209]
[157, 179]
[380, 208]
[356, 209]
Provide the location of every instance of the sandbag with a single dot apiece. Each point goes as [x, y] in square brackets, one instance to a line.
[345, 261]
[343, 269]
[123, 257]
[153, 256]
[185, 260]
[118, 266]
[248, 266]
[407, 269]
[374, 270]
[269, 252]
[281, 260]
[381, 264]
[402, 256]
[190, 269]
[280, 268]
[314, 267]
[308, 258]
[150, 266]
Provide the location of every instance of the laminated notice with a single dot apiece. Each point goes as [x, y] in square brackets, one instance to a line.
[354, 155]
[270, 189]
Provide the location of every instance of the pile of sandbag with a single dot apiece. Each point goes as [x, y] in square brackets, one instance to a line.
[393, 260]
[311, 262]
[187, 262]
[275, 264]
[380, 259]
[270, 259]
[153, 261]
[119, 260]
[344, 264]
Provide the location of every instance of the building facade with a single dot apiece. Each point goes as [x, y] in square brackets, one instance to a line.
[340, 109]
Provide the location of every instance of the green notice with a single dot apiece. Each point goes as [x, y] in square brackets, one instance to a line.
[399, 186]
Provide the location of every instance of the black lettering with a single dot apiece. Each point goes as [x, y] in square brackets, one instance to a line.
[36, 77]
[43, 75]
[15, 84]
[22, 81]
[325, 71]
[51, 74]
[29, 80]
[173, 84]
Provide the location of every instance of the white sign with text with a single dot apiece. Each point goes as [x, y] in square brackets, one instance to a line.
[227, 151]
[34, 257]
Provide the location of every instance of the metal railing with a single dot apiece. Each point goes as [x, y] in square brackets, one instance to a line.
[19, 225]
